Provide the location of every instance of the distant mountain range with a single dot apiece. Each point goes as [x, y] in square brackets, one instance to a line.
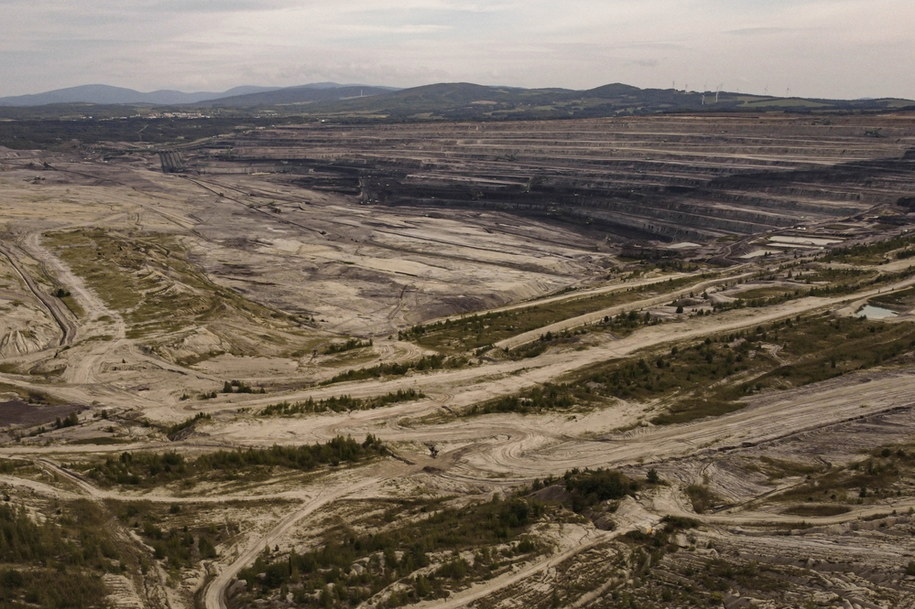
[306, 94]
[443, 101]
[247, 95]
[468, 101]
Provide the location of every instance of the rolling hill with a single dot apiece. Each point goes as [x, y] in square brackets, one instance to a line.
[467, 101]
[305, 94]
[106, 94]
[442, 101]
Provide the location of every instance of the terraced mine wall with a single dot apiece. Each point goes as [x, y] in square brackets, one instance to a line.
[669, 178]
[171, 161]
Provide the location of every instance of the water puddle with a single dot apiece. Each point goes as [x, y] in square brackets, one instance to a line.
[872, 312]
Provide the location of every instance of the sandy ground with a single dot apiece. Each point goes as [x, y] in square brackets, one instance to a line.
[368, 271]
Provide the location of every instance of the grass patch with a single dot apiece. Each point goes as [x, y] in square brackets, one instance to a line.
[765, 292]
[31, 396]
[340, 403]
[185, 427]
[178, 534]
[693, 368]
[620, 325]
[152, 469]
[886, 473]
[73, 305]
[349, 345]
[428, 362]
[236, 386]
[816, 510]
[151, 282]
[425, 558]
[8, 466]
[710, 377]
[874, 253]
[101, 441]
[820, 281]
[475, 331]
[824, 348]
[70, 547]
[781, 468]
[901, 300]
[584, 489]
[702, 498]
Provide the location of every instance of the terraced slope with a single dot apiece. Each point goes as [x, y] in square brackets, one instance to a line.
[668, 177]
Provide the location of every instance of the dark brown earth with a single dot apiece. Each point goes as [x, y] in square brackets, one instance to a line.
[19, 413]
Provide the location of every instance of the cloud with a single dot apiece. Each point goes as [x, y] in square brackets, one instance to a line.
[762, 31]
[644, 63]
[829, 47]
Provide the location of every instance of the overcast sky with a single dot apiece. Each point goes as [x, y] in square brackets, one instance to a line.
[813, 48]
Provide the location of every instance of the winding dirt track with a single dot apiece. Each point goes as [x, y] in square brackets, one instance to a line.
[57, 310]
[586, 540]
[215, 595]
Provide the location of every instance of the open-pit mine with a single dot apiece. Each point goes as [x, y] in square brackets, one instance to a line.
[646, 362]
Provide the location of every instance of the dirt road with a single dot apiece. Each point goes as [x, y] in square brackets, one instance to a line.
[54, 306]
[215, 594]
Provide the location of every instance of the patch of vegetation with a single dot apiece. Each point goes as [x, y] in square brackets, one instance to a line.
[180, 429]
[422, 559]
[583, 489]
[781, 468]
[8, 466]
[765, 292]
[680, 522]
[709, 377]
[70, 548]
[426, 363]
[816, 510]
[71, 420]
[903, 299]
[151, 469]
[544, 397]
[888, 472]
[874, 253]
[720, 575]
[340, 403]
[824, 347]
[693, 582]
[662, 576]
[31, 396]
[701, 497]
[349, 345]
[822, 281]
[235, 386]
[150, 280]
[835, 277]
[475, 331]
[179, 548]
[67, 298]
[695, 367]
[618, 325]
[178, 534]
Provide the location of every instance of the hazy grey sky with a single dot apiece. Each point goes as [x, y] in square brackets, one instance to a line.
[821, 48]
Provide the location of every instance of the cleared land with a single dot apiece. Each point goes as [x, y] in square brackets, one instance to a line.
[423, 365]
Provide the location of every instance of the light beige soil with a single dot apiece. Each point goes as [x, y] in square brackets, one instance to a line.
[345, 270]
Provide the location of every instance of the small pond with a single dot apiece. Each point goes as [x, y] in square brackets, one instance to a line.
[872, 312]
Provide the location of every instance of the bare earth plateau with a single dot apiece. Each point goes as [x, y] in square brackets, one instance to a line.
[586, 363]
